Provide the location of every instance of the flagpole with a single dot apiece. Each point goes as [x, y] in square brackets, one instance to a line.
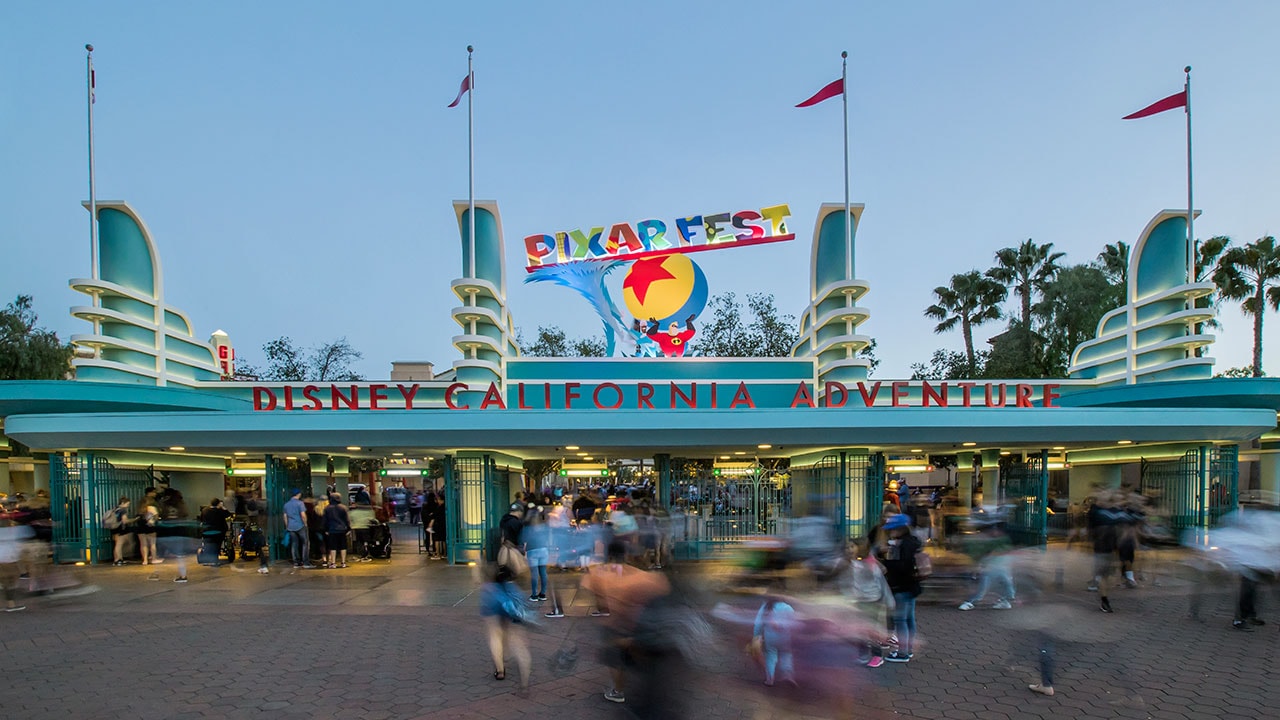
[848, 221]
[93, 200]
[1191, 236]
[471, 163]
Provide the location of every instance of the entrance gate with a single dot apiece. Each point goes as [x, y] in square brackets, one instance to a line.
[1026, 487]
[712, 508]
[1196, 489]
[846, 488]
[82, 490]
[477, 494]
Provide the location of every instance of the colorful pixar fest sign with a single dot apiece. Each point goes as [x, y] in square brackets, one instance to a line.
[663, 290]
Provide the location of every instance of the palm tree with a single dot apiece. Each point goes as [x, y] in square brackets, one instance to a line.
[1207, 252]
[1114, 262]
[1252, 274]
[971, 300]
[1025, 269]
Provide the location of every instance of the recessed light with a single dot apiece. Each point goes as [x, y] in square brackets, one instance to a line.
[1060, 447]
[917, 450]
[1125, 442]
[582, 454]
[353, 447]
[397, 454]
[588, 458]
[739, 452]
[764, 446]
[570, 447]
[724, 457]
[1005, 452]
[969, 444]
[177, 448]
[240, 453]
[290, 457]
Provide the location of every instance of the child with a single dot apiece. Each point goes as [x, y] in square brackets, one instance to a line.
[868, 590]
[773, 634]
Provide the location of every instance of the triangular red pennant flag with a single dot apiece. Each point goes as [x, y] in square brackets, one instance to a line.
[834, 88]
[1175, 100]
[466, 85]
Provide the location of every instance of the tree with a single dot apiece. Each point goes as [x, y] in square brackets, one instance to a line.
[1251, 274]
[1025, 269]
[1207, 253]
[551, 342]
[1113, 261]
[949, 365]
[1018, 352]
[286, 362]
[972, 299]
[1236, 372]
[768, 334]
[28, 352]
[1070, 307]
[868, 353]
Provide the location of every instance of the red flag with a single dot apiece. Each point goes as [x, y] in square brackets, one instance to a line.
[466, 85]
[834, 88]
[1175, 100]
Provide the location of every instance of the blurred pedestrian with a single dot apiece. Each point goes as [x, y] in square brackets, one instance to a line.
[503, 612]
[624, 590]
[865, 585]
[145, 527]
[989, 550]
[12, 537]
[899, 558]
[772, 633]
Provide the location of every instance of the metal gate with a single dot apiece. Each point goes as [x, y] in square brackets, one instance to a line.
[1196, 489]
[82, 490]
[716, 507]
[275, 490]
[1026, 486]
[475, 500]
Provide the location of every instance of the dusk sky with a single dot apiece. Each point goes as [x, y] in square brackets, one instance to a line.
[296, 162]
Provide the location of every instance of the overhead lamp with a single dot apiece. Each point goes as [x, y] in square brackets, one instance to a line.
[177, 448]
[1125, 442]
[764, 446]
[353, 447]
[969, 444]
[1059, 447]
[1005, 452]
[588, 457]
[739, 452]
[290, 457]
[917, 450]
[240, 453]
[582, 454]
[397, 454]
[724, 457]
[570, 447]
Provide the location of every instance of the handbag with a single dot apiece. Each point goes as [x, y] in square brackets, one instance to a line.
[510, 557]
[924, 565]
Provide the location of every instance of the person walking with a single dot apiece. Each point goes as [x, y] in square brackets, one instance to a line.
[865, 585]
[537, 541]
[1104, 518]
[625, 590]
[337, 524]
[117, 521]
[503, 613]
[899, 559]
[295, 525]
[772, 634]
[989, 550]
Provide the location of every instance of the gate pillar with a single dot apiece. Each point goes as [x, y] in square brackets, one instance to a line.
[662, 463]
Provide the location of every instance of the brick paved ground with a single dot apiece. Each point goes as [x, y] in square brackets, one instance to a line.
[403, 639]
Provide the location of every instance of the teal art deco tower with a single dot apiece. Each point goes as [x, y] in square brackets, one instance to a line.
[829, 325]
[487, 329]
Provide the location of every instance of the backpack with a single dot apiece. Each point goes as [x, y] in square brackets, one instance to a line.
[111, 520]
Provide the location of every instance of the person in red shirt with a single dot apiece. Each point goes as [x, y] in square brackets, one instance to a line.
[674, 341]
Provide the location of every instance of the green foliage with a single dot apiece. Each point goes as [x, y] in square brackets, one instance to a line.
[949, 365]
[28, 352]
[552, 342]
[1251, 274]
[971, 300]
[286, 362]
[868, 353]
[1113, 261]
[1070, 308]
[1016, 353]
[768, 334]
[1236, 372]
[1025, 269]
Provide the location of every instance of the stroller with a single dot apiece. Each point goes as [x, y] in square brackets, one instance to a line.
[379, 543]
[252, 541]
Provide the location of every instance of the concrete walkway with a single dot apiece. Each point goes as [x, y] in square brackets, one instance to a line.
[402, 639]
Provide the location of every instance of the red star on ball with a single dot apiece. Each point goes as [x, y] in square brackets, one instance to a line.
[643, 274]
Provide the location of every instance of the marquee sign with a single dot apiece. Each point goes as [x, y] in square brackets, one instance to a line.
[650, 396]
[654, 238]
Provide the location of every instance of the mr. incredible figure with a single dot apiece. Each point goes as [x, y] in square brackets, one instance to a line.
[674, 341]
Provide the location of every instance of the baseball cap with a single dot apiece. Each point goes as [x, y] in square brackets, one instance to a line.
[897, 521]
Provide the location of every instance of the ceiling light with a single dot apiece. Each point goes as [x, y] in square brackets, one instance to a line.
[764, 446]
[1005, 452]
[353, 447]
[969, 444]
[290, 457]
[397, 454]
[582, 454]
[588, 458]
[1060, 447]
[570, 447]
[177, 448]
[724, 457]
[241, 453]
[739, 452]
[916, 450]
[1125, 442]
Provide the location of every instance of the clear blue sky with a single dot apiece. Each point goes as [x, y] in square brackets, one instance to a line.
[296, 162]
